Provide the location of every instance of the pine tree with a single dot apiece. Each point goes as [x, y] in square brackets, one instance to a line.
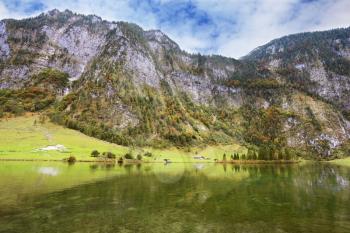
[262, 153]
[280, 155]
[250, 154]
[287, 154]
[255, 156]
[237, 156]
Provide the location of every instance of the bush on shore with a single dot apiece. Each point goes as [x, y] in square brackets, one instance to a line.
[128, 156]
[71, 159]
[109, 155]
[95, 153]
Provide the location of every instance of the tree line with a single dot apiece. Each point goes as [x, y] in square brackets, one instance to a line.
[263, 153]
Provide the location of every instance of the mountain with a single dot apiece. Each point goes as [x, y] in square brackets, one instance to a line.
[119, 83]
[318, 63]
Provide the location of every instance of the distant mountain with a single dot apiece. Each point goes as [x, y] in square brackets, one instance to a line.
[318, 62]
[119, 83]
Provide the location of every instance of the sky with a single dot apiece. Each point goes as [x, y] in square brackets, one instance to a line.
[227, 27]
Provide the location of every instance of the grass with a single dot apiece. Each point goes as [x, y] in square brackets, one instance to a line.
[20, 138]
[181, 155]
[342, 162]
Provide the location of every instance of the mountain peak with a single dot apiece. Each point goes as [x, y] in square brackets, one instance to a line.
[55, 12]
[133, 86]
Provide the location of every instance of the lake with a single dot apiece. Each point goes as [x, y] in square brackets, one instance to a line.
[183, 197]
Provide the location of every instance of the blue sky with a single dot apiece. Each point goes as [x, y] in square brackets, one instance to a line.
[228, 27]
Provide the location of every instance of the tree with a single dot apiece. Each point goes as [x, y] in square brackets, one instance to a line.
[71, 159]
[95, 153]
[109, 155]
[262, 154]
[224, 157]
[250, 154]
[287, 154]
[269, 153]
[280, 155]
[255, 156]
[148, 154]
[139, 157]
[128, 156]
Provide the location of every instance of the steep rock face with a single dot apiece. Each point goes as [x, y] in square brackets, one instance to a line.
[315, 124]
[331, 86]
[60, 40]
[132, 86]
[4, 47]
[319, 62]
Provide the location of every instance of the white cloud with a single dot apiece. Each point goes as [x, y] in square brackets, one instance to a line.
[239, 26]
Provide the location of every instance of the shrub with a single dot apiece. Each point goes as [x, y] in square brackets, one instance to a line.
[53, 77]
[71, 159]
[95, 153]
[313, 119]
[148, 154]
[139, 157]
[128, 156]
[110, 155]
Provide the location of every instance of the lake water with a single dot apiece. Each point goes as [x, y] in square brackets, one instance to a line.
[57, 197]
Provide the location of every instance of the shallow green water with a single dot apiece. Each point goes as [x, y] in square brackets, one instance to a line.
[55, 197]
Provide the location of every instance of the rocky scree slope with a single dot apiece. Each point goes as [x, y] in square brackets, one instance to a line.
[117, 82]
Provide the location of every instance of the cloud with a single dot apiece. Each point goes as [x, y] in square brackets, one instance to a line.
[228, 27]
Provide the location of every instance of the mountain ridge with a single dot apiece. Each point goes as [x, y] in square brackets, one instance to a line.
[117, 82]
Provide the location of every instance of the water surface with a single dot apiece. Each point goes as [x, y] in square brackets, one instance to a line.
[56, 197]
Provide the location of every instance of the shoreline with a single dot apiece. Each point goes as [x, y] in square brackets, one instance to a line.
[248, 162]
[259, 162]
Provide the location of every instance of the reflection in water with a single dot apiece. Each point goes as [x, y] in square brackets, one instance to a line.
[191, 198]
[199, 166]
[50, 171]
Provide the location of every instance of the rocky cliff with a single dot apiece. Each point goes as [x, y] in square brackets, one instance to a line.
[117, 82]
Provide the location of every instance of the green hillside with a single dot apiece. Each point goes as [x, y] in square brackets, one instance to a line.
[23, 137]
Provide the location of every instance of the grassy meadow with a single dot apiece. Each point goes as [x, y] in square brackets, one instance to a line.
[23, 137]
[342, 162]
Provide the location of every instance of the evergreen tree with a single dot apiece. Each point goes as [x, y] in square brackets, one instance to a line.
[280, 155]
[255, 156]
[287, 154]
[269, 153]
[262, 153]
[250, 154]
